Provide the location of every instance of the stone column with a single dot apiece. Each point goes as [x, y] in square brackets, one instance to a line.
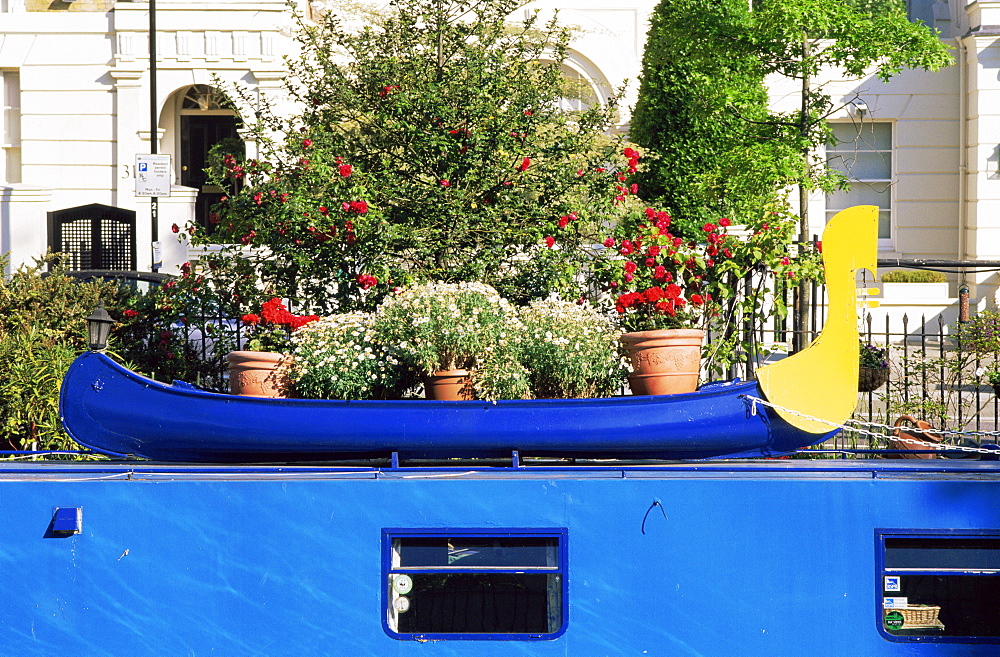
[177, 209]
[982, 179]
[23, 223]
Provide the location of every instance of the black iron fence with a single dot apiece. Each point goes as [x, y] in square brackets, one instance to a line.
[933, 377]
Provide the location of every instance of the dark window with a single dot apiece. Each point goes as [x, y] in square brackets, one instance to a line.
[939, 586]
[471, 584]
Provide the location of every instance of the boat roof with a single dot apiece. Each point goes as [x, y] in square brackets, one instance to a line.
[487, 469]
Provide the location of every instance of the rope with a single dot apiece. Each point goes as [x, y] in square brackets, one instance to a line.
[857, 427]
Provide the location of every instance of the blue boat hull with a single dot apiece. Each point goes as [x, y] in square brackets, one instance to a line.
[112, 410]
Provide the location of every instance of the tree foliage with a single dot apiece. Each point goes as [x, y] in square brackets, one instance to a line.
[461, 159]
[703, 91]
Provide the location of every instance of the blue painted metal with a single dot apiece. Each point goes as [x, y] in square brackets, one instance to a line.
[747, 558]
[67, 520]
[109, 409]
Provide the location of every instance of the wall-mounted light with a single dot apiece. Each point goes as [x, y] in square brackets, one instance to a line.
[98, 328]
[860, 109]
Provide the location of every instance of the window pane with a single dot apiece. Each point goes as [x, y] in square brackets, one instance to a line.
[473, 552]
[481, 603]
[860, 194]
[943, 553]
[861, 137]
[966, 606]
[863, 165]
[884, 225]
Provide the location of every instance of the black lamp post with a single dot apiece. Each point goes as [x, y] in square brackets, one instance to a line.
[98, 328]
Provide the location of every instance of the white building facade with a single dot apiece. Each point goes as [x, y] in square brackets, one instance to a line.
[76, 112]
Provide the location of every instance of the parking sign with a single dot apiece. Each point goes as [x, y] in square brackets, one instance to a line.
[152, 175]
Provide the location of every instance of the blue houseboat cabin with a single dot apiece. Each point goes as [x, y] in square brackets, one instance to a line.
[720, 558]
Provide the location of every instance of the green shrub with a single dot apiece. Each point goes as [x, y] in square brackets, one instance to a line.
[913, 276]
[34, 362]
[42, 328]
[981, 334]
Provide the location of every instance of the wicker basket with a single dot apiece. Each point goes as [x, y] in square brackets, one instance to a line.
[872, 378]
[919, 614]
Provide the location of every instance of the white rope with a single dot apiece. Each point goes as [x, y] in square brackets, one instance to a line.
[856, 427]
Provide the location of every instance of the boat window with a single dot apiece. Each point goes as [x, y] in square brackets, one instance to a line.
[474, 584]
[939, 586]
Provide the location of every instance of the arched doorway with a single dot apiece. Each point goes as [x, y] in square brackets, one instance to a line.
[204, 122]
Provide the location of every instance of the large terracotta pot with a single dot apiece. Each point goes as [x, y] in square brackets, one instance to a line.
[908, 427]
[664, 362]
[258, 374]
[449, 385]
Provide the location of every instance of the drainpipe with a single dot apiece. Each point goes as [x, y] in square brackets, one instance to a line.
[963, 157]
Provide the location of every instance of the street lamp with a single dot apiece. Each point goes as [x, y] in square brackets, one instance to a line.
[98, 328]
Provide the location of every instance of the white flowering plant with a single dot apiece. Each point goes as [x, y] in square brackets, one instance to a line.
[445, 326]
[570, 350]
[339, 357]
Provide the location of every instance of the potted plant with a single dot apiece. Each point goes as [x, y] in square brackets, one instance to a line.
[557, 350]
[873, 371]
[339, 357]
[912, 284]
[445, 331]
[666, 287]
[259, 370]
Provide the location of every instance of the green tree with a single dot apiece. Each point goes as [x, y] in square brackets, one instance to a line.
[703, 118]
[703, 91]
[428, 144]
[803, 39]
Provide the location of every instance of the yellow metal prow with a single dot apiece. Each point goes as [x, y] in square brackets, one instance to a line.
[821, 381]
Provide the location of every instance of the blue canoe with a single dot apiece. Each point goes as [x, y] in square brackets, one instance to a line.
[112, 410]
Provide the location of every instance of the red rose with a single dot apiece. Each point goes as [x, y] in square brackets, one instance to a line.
[175, 228]
[345, 170]
[525, 163]
[250, 319]
[131, 313]
[550, 241]
[306, 143]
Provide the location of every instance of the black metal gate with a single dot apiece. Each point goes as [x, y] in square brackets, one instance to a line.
[94, 236]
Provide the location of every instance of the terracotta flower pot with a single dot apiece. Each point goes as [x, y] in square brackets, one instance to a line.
[258, 374]
[449, 385]
[910, 428]
[665, 361]
[872, 378]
